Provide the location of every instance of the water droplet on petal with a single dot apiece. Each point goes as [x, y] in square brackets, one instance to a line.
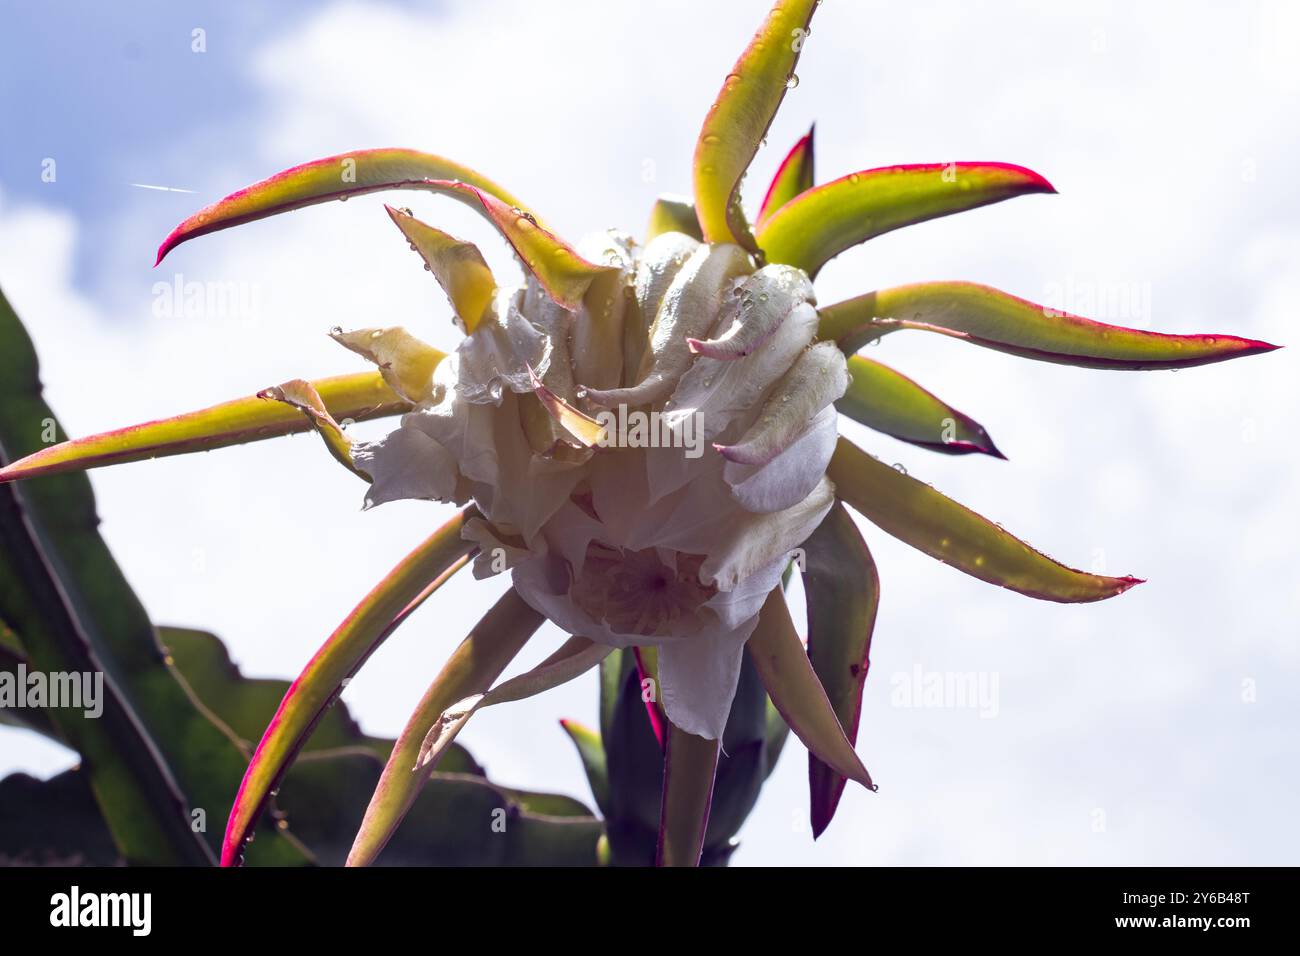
[792, 81]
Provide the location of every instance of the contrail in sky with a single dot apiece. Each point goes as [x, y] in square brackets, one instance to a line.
[165, 189]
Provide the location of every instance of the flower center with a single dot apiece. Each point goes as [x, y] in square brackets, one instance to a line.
[651, 592]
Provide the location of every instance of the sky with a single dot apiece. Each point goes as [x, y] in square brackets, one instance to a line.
[1156, 728]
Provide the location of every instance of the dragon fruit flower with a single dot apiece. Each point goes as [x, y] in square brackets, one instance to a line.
[624, 538]
[644, 435]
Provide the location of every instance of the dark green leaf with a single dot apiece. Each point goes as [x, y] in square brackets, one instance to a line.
[53, 822]
[61, 589]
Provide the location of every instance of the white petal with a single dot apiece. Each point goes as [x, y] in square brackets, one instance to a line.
[792, 475]
[668, 469]
[745, 600]
[569, 533]
[596, 335]
[618, 491]
[553, 321]
[693, 518]
[496, 552]
[406, 463]
[698, 677]
[689, 308]
[661, 260]
[499, 352]
[463, 428]
[689, 519]
[763, 302]
[655, 270]
[529, 488]
[512, 485]
[818, 377]
[543, 583]
[746, 546]
[718, 392]
[717, 399]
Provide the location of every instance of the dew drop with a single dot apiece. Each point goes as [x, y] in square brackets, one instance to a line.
[792, 81]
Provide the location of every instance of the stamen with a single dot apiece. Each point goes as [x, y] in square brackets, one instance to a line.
[635, 592]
